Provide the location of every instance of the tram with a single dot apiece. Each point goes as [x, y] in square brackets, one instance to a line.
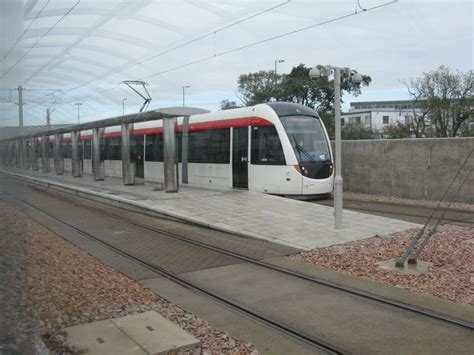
[277, 148]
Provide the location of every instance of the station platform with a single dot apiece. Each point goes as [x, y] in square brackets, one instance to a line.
[277, 219]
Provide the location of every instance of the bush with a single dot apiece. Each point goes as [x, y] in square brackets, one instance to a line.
[356, 131]
[397, 130]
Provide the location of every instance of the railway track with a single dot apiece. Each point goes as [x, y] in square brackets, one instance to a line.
[353, 205]
[357, 292]
[319, 345]
[278, 326]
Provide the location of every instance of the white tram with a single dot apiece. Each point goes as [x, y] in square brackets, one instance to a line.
[277, 148]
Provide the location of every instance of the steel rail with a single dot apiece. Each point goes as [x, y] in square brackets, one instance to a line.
[385, 203]
[358, 292]
[289, 331]
[444, 220]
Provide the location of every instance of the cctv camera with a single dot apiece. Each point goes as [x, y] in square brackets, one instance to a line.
[314, 73]
[356, 78]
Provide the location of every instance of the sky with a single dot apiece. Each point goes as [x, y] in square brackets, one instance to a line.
[65, 52]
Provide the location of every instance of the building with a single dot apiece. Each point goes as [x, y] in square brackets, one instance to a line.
[378, 114]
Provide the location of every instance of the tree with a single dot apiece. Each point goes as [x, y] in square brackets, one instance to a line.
[297, 87]
[227, 105]
[447, 98]
[467, 130]
[418, 124]
[259, 87]
[397, 130]
[356, 131]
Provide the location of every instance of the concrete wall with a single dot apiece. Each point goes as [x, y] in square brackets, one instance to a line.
[411, 168]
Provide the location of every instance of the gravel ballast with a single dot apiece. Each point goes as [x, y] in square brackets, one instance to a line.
[451, 251]
[61, 285]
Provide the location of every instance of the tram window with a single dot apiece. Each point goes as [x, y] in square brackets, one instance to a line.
[179, 143]
[266, 146]
[154, 150]
[39, 151]
[307, 138]
[87, 149]
[113, 148]
[154, 147]
[50, 148]
[67, 150]
[212, 146]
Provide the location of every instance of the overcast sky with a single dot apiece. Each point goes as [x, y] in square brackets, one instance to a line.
[390, 43]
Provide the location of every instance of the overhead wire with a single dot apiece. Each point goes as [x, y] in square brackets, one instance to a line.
[360, 7]
[43, 36]
[285, 34]
[187, 43]
[24, 31]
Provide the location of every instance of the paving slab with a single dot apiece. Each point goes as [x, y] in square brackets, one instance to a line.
[277, 219]
[143, 333]
[102, 337]
[154, 333]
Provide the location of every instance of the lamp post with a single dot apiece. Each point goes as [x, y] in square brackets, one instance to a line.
[184, 88]
[327, 70]
[78, 104]
[123, 106]
[276, 63]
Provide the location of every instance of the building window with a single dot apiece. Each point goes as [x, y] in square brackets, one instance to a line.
[385, 119]
[357, 119]
[266, 146]
[343, 121]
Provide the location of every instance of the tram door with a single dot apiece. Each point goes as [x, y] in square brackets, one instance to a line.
[137, 156]
[240, 140]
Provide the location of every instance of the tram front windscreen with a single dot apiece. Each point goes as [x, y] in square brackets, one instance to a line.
[307, 138]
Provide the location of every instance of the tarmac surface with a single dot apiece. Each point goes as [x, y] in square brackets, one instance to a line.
[354, 324]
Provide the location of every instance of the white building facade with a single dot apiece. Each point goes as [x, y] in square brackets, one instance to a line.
[376, 115]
